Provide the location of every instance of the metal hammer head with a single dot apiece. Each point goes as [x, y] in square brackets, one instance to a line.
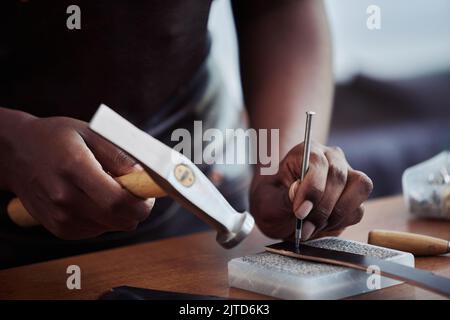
[177, 175]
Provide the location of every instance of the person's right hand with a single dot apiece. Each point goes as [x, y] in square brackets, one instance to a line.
[59, 170]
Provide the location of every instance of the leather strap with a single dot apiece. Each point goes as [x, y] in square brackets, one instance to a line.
[420, 278]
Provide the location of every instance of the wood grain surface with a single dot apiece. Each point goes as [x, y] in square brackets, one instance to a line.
[196, 264]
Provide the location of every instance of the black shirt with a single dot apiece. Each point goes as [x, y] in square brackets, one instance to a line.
[132, 55]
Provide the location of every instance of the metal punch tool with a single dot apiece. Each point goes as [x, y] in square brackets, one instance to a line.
[304, 170]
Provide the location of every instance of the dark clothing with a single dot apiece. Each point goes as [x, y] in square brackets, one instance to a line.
[132, 55]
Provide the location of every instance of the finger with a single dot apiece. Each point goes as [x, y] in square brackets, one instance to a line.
[63, 224]
[87, 218]
[79, 217]
[307, 206]
[358, 188]
[336, 182]
[350, 219]
[84, 210]
[324, 233]
[85, 171]
[311, 189]
[113, 160]
[293, 189]
[277, 220]
[70, 203]
[307, 230]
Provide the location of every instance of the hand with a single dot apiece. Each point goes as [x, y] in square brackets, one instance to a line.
[329, 199]
[60, 173]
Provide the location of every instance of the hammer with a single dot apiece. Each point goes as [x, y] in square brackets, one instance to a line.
[167, 171]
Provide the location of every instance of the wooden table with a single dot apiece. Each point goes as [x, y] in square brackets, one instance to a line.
[196, 264]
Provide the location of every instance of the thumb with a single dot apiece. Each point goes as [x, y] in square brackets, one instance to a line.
[293, 189]
[113, 160]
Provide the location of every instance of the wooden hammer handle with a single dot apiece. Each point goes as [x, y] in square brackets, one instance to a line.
[417, 244]
[138, 183]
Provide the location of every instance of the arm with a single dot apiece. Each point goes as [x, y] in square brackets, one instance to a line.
[285, 54]
[286, 70]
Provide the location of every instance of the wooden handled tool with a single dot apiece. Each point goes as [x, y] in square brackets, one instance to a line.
[138, 183]
[417, 244]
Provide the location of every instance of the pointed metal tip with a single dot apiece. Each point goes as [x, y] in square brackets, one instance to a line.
[298, 233]
[297, 248]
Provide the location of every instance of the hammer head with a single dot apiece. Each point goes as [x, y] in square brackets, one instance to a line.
[177, 175]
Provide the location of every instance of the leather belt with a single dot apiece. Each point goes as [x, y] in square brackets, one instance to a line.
[420, 278]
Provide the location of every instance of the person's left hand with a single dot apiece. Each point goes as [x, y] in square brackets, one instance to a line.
[329, 199]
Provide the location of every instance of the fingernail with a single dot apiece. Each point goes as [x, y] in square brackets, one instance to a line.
[137, 167]
[292, 190]
[304, 209]
[308, 230]
[150, 202]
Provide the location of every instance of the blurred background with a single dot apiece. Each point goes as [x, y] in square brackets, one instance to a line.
[392, 98]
